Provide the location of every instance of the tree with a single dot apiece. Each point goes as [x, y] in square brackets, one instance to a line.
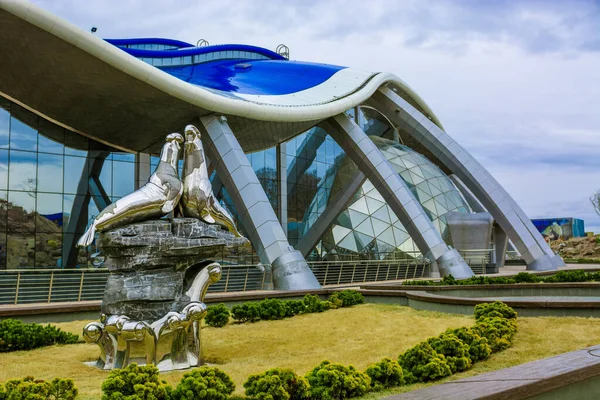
[595, 200]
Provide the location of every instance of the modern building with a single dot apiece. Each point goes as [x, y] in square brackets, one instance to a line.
[315, 161]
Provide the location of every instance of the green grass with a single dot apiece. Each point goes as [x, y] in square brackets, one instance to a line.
[358, 335]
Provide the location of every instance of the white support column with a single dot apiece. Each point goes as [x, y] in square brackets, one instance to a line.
[282, 201]
[369, 159]
[289, 268]
[535, 251]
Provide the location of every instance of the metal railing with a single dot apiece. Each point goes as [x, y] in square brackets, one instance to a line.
[359, 271]
[477, 259]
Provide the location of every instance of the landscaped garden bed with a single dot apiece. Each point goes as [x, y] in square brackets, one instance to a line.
[359, 336]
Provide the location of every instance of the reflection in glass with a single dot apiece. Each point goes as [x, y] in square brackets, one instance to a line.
[50, 173]
[73, 169]
[20, 251]
[123, 178]
[22, 136]
[21, 215]
[4, 126]
[3, 169]
[22, 171]
[106, 177]
[2, 250]
[50, 213]
[48, 250]
[76, 145]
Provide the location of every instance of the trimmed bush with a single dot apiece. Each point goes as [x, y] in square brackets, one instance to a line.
[495, 309]
[525, 277]
[217, 316]
[449, 280]
[479, 349]
[293, 307]
[277, 384]
[336, 382]
[569, 276]
[16, 335]
[135, 383]
[247, 312]
[455, 350]
[313, 304]
[385, 374]
[498, 331]
[272, 309]
[422, 363]
[31, 389]
[207, 383]
[349, 298]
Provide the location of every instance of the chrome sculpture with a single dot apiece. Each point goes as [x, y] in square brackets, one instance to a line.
[158, 197]
[198, 199]
[172, 341]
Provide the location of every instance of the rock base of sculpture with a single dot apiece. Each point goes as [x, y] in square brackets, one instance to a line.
[154, 298]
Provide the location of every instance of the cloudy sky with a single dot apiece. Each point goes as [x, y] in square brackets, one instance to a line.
[517, 83]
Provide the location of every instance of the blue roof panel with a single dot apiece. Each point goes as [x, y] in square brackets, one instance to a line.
[261, 77]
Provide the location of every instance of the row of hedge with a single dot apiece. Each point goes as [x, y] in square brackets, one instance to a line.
[452, 351]
[32, 389]
[521, 277]
[16, 335]
[275, 309]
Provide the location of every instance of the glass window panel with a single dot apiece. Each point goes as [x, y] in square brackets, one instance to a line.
[4, 126]
[22, 136]
[106, 177]
[50, 210]
[123, 178]
[21, 212]
[50, 173]
[271, 158]
[51, 137]
[22, 170]
[2, 250]
[122, 156]
[48, 250]
[76, 145]
[3, 210]
[73, 167]
[20, 251]
[93, 210]
[3, 169]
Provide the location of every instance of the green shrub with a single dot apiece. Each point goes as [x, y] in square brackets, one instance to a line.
[207, 383]
[455, 350]
[277, 384]
[272, 309]
[526, 277]
[135, 383]
[293, 307]
[495, 309]
[498, 331]
[385, 374]
[247, 312]
[336, 382]
[31, 389]
[419, 283]
[313, 304]
[349, 298]
[217, 316]
[568, 276]
[479, 349]
[422, 363]
[449, 280]
[16, 335]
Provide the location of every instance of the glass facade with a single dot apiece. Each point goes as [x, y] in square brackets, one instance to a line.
[368, 227]
[41, 193]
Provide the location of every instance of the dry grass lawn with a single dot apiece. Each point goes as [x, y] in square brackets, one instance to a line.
[359, 335]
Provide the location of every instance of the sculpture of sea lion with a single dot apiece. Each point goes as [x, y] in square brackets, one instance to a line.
[198, 199]
[158, 197]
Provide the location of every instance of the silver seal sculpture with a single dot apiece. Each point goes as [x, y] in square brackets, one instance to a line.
[198, 199]
[160, 269]
[158, 197]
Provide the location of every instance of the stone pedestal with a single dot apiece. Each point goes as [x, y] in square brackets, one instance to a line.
[153, 302]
